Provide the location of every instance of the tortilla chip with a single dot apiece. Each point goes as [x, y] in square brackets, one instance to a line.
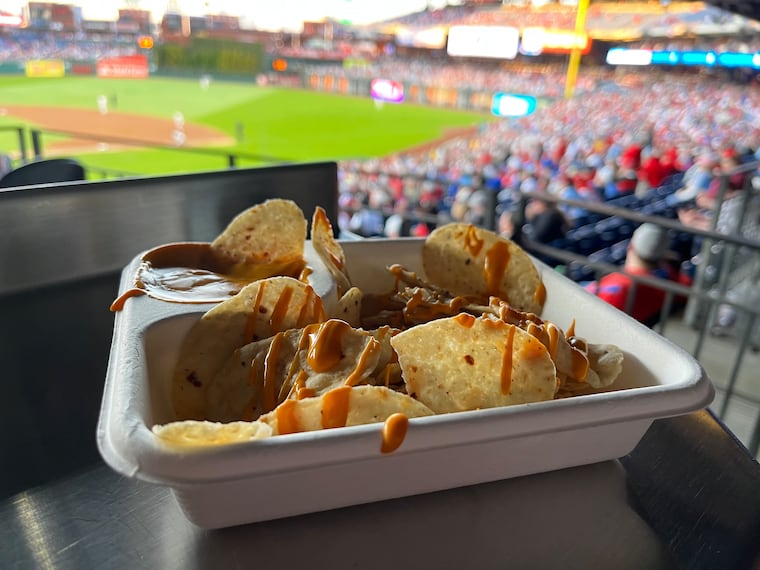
[273, 232]
[341, 407]
[200, 434]
[329, 250]
[237, 389]
[349, 307]
[260, 310]
[470, 261]
[466, 363]
[297, 363]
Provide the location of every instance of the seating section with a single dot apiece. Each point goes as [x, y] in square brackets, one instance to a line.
[605, 238]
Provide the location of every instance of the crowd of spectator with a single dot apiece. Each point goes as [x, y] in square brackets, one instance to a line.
[737, 44]
[612, 142]
[23, 45]
[605, 144]
[602, 19]
[540, 81]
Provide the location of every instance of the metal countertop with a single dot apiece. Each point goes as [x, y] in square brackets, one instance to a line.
[686, 497]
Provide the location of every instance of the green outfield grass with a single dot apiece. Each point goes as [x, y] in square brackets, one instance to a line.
[290, 125]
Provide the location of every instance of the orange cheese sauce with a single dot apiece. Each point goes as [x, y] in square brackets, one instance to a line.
[335, 405]
[394, 432]
[497, 260]
[472, 243]
[506, 362]
[325, 346]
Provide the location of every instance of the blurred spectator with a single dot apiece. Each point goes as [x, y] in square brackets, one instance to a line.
[565, 188]
[646, 256]
[369, 221]
[479, 209]
[696, 179]
[505, 225]
[545, 220]
[628, 177]
[604, 179]
[652, 173]
[399, 223]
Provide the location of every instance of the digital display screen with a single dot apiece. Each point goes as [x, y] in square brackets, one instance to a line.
[510, 105]
[629, 57]
[387, 90]
[698, 58]
[664, 58]
[483, 41]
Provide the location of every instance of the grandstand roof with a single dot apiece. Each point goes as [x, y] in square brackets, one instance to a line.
[746, 8]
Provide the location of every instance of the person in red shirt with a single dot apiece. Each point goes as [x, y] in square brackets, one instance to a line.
[646, 256]
[652, 171]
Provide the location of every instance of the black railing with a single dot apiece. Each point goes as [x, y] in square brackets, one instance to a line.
[33, 139]
[22, 147]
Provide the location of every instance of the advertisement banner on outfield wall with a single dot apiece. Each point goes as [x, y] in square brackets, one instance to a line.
[81, 68]
[123, 67]
[45, 68]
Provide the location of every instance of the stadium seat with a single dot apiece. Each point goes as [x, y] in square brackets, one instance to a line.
[44, 171]
[584, 239]
[618, 251]
[579, 272]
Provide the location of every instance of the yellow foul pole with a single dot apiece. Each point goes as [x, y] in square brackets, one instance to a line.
[575, 53]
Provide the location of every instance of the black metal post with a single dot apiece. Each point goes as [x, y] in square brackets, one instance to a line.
[37, 143]
[22, 143]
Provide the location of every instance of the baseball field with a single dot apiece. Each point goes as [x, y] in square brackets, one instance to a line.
[131, 125]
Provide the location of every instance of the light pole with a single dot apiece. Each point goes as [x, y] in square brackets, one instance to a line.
[575, 52]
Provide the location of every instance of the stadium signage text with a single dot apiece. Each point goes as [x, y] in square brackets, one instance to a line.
[45, 68]
[125, 67]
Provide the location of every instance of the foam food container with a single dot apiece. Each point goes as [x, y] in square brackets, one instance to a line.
[315, 471]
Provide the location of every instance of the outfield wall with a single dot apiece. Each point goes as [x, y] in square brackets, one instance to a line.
[140, 67]
[461, 98]
[123, 66]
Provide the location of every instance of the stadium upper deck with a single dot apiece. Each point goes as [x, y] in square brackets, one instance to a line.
[604, 20]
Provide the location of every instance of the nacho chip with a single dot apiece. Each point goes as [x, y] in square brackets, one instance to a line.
[341, 407]
[258, 311]
[297, 363]
[271, 234]
[471, 261]
[466, 363]
[350, 307]
[329, 250]
[236, 391]
[200, 434]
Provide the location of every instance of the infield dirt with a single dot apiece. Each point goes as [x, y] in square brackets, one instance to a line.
[89, 130]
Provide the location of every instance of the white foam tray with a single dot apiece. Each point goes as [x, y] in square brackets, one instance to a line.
[315, 471]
